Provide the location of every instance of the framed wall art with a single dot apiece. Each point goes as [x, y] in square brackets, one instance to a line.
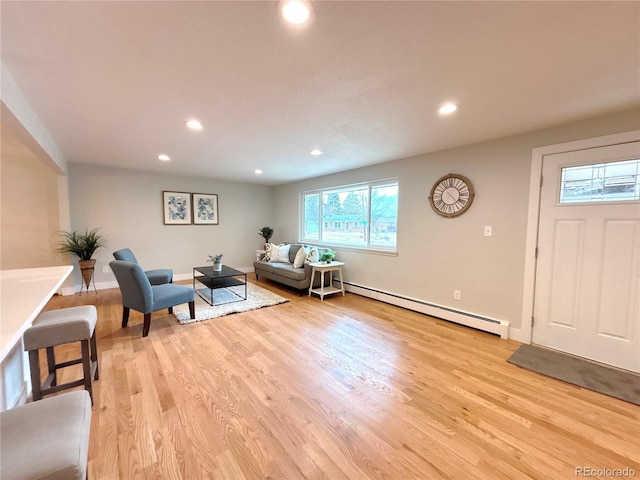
[177, 208]
[205, 209]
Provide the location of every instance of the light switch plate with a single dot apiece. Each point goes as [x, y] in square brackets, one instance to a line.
[488, 230]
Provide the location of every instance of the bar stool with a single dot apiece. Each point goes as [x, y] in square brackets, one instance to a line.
[47, 439]
[57, 327]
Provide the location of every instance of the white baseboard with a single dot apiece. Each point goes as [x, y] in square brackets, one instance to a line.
[519, 335]
[179, 277]
[486, 324]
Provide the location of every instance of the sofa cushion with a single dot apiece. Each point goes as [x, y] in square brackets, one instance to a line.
[287, 270]
[263, 265]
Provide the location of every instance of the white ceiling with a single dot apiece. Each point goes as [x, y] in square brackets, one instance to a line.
[113, 82]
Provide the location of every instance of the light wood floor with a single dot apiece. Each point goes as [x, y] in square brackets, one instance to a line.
[348, 388]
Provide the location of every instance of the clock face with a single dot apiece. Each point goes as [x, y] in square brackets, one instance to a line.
[452, 195]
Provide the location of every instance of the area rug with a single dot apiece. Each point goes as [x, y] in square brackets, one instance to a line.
[257, 297]
[583, 373]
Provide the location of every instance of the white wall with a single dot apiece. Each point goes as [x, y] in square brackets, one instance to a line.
[437, 255]
[127, 207]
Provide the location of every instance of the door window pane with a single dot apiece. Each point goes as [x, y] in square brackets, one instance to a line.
[602, 182]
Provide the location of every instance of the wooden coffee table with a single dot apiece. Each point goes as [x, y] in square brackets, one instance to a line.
[214, 280]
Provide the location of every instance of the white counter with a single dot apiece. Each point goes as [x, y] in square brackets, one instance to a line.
[23, 295]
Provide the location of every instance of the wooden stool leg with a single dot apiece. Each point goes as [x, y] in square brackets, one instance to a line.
[86, 367]
[34, 366]
[51, 364]
[94, 356]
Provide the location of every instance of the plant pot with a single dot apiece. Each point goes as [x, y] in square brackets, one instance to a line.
[86, 268]
[217, 267]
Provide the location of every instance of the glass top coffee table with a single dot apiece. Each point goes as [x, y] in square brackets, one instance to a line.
[215, 280]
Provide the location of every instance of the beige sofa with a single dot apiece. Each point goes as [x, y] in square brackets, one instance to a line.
[286, 273]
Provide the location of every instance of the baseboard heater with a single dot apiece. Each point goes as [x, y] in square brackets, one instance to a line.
[491, 325]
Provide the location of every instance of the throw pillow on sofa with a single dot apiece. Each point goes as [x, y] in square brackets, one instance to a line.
[283, 253]
[301, 256]
[267, 252]
[312, 255]
[272, 253]
[277, 253]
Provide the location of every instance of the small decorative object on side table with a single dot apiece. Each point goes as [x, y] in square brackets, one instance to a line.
[327, 256]
[323, 267]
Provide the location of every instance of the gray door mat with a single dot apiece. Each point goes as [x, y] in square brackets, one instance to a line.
[584, 373]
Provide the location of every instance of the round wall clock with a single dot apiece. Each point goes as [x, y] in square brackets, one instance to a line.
[452, 195]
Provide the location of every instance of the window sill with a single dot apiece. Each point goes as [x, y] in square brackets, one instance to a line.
[391, 252]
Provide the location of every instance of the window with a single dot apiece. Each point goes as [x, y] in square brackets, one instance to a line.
[364, 215]
[602, 182]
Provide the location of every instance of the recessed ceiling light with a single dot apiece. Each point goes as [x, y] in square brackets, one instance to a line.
[296, 12]
[193, 124]
[257, 171]
[164, 157]
[316, 152]
[448, 108]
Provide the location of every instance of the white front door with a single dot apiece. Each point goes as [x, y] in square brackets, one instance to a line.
[587, 294]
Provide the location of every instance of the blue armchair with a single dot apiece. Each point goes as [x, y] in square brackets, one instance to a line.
[156, 277]
[138, 293]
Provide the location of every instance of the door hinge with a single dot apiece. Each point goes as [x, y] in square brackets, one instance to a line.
[536, 252]
[533, 321]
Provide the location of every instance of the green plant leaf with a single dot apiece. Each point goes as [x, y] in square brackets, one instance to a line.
[82, 245]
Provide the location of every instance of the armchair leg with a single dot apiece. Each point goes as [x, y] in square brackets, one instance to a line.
[125, 316]
[147, 324]
[170, 310]
[192, 309]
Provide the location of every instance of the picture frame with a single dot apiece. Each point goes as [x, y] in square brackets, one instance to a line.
[205, 209]
[176, 208]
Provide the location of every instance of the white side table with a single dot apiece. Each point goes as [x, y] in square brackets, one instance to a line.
[322, 268]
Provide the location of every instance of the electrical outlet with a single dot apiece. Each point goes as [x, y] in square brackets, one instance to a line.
[105, 269]
[488, 230]
[457, 295]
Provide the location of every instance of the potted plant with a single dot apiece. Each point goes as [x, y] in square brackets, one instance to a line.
[83, 246]
[327, 256]
[266, 233]
[217, 261]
